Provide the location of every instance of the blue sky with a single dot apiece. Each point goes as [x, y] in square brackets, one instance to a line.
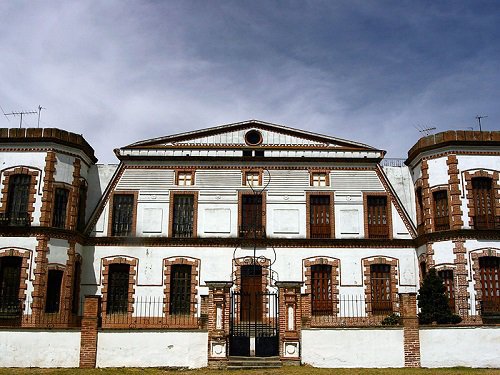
[370, 71]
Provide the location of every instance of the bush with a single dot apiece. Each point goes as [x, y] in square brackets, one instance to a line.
[392, 320]
[433, 301]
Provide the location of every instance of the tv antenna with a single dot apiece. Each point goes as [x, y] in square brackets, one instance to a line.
[21, 114]
[39, 111]
[425, 131]
[478, 117]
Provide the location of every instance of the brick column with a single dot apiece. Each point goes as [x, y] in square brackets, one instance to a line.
[218, 322]
[290, 319]
[90, 321]
[461, 293]
[426, 197]
[408, 310]
[455, 200]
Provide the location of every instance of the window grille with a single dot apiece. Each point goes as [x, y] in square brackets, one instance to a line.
[60, 207]
[118, 289]
[17, 200]
[378, 226]
[483, 203]
[123, 210]
[180, 290]
[184, 178]
[53, 296]
[489, 269]
[319, 179]
[321, 290]
[251, 216]
[10, 278]
[441, 213]
[380, 277]
[82, 203]
[448, 281]
[320, 216]
[252, 178]
[182, 225]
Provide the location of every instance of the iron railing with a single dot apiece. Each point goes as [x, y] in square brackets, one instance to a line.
[355, 310]
[20, 313]
[149, 313]
[392, 162]
[15, 220]
[252, 231]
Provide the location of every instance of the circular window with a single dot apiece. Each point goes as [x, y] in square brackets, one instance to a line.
[253, 137]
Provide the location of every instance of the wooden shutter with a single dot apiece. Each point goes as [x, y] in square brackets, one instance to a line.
[378, 226]
[380, 277]
[320, 226]
[441, 213]
[251, 216]
[321, 290]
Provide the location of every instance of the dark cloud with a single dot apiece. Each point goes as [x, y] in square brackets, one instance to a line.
[121, 71]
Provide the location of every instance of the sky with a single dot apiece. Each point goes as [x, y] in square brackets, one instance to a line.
[368, 71]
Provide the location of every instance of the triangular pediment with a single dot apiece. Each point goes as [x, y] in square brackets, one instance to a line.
[237, 135]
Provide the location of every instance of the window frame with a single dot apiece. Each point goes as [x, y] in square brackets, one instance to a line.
[243, 233]
[53, 293]
[251, 172]
[124, 298]
[133, 214]
[65, 209]
[315, 179]
[309, 212]
[173, 194]
[181, 177]
[366, 197]
[442, 222]
[380, 306]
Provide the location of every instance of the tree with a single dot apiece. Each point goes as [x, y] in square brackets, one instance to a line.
[433, 301]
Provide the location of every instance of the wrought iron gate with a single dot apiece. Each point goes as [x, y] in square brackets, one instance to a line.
[254, 318]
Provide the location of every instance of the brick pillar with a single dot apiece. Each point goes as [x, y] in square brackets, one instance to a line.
[455, 200]
[426, 197]
[40, 281]
[461, 293]
[290, 319]
[90, 321]
[408, 303]
[218, 322]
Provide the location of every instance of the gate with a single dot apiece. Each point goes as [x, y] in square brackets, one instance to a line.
[254, 323]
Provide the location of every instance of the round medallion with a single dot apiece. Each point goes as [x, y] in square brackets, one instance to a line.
[253, 137]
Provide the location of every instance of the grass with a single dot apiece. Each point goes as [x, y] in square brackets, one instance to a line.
[289, 370]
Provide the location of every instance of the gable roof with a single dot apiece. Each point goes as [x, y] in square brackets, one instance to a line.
[297, 138]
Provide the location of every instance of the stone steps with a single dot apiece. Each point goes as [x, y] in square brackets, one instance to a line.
[248, 363]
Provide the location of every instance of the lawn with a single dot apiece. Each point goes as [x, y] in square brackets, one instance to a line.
[289, 370]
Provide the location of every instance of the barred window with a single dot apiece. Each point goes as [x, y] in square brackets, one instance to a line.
[123, 211]
[378, 225]
[441, 214]
[17, 199]
[182, 225]
[118, 285]
[10, 278]
[321, 290]
[381, 293]
[180, 289]
[251, 216]
[489, 271]
[60, 207]
[54, 282]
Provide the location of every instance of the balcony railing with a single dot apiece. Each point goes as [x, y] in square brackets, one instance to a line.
[320, 231]
[252, 231]
[15, 220]
[378, 231]
[486, 222]
[182, 230]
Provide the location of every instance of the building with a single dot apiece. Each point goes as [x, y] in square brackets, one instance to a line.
[248, 239]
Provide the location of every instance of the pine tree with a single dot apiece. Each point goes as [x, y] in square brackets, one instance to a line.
[433, 301]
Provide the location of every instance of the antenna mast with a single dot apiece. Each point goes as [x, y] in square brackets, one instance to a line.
[478, 117]
[21, 113]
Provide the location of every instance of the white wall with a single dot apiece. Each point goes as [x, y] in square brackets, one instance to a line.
[460, 346]
[29, 348]
[152, 349]
[353, 347]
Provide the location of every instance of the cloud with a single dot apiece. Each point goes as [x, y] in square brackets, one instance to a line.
[122, 71]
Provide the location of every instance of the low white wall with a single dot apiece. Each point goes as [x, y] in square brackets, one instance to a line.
[353, 347]
[460, 346]
[28, 348]
[152, 349]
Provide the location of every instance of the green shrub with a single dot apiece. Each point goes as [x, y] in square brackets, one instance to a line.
[392, 320]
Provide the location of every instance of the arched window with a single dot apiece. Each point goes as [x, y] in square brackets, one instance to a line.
[321, 289]
[17, 199]
[10, 277]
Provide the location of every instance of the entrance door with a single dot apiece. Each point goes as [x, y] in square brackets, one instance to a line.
[251, 293]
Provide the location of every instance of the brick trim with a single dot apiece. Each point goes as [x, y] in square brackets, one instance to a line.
[454, 201]
[307, 277]
[32, 191]
[389, 211]
[393, 263]
[426, 197]
[132, 262]
[308, 211]
[40, 280]
[67, 288]
[461, 278]
[48, 190]
[495, 185]
[74, 195]
[134, 211]
[173, 193]
[195, 282]
[475, 256]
